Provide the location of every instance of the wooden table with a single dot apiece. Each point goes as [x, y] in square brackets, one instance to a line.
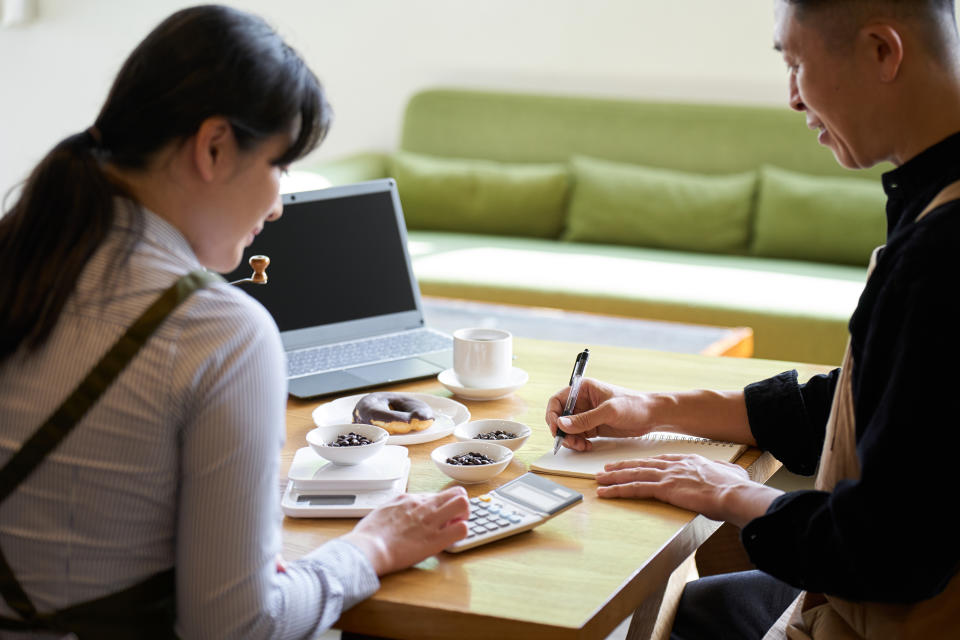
[577, 576]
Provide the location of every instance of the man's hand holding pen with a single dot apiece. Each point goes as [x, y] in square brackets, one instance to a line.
[688, 481]
[600, 409]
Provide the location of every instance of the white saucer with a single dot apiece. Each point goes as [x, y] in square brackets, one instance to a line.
[518, 378]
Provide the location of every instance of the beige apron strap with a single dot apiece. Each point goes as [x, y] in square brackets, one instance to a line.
[950, 192]
[838, 460]
[779, 629]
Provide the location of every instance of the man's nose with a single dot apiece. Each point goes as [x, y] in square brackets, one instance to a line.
[793, 96]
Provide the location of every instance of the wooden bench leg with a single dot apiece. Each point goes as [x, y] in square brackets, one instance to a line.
[722, 553]
[653, 619]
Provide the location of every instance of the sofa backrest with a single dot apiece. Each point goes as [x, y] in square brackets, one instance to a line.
[704, 138]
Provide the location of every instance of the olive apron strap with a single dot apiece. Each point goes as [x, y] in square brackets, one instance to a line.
[75, 407]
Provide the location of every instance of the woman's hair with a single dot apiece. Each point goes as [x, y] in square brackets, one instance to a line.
[200, 62]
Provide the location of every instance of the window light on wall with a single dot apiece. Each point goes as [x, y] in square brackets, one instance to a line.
[17, 12]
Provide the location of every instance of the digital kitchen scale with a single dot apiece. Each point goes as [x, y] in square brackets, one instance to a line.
[317, 488]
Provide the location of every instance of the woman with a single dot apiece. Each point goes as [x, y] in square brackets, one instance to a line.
[154, 512]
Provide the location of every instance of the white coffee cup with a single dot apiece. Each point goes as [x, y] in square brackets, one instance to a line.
[482, 358]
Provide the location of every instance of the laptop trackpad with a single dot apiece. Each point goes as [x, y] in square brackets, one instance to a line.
[324, 383]
[396, 370]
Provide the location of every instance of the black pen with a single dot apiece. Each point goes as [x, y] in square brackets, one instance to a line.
[575, 378]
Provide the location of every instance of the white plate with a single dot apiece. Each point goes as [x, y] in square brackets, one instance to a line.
[448, 415]
[518, 378]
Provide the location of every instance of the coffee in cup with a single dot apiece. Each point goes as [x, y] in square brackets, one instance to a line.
[482, 358]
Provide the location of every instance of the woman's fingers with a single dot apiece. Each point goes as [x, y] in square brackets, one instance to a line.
[447, 506]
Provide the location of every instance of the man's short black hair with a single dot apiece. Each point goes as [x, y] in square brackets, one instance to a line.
[841, 19]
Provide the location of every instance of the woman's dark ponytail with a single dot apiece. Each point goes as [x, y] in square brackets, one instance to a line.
[199, 63]
[63, 214]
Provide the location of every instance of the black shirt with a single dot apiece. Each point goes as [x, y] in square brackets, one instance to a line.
[887, 537]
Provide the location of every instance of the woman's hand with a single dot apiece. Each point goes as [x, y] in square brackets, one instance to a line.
[602, 410]
[410, 528]
[718, 490]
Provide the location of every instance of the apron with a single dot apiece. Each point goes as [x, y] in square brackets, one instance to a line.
[815, 616]
[146, 609]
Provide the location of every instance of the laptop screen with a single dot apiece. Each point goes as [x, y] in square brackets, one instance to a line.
[337, 259]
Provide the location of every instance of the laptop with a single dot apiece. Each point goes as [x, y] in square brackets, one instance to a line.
[342, 291]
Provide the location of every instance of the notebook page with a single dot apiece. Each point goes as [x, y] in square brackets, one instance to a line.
[586, 464]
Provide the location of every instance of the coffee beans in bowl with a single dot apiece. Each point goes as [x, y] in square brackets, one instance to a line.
[347, 444]
[499, 434]
[506, 432]
[349, 440]
[472, 461]
[471, 457]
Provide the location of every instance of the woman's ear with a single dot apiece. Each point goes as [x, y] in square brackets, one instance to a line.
[214, 148]
[883, 48]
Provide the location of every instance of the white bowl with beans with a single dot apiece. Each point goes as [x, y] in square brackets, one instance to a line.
[323, 442]
[493, 430]
[471, 473]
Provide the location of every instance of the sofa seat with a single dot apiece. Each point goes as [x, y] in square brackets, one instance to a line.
[778, 299]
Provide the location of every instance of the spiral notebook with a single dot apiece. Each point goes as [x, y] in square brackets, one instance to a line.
[586, 464]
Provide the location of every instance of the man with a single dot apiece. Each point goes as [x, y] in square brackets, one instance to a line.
[872, 548]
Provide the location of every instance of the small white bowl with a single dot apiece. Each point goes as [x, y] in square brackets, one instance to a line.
[472, 474]
[470, 430]
[319, 437]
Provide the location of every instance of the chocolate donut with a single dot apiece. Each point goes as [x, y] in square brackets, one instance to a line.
[394, 412]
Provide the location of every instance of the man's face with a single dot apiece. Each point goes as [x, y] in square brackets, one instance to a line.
[826, 85]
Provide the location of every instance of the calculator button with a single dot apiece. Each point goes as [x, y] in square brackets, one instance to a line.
[477, 529]
[501, 522]
[481, 521]
[491, 527]
[512, 517]
[485, 498]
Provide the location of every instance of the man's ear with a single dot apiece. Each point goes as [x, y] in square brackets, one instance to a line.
[213, 147]
[883, 46]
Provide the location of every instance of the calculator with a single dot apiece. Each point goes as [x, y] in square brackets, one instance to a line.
[520, 505]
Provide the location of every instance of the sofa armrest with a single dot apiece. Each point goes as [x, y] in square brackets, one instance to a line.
[353, 168]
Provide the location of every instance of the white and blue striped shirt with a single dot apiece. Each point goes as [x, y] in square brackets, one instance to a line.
[176, 465]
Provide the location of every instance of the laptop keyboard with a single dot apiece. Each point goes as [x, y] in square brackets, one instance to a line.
[366, 351]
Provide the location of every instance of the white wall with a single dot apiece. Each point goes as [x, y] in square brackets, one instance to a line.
[373, 54]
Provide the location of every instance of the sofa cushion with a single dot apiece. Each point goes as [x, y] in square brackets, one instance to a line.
[818, 218]
[700, 138]
[481, 196]
[628, 204]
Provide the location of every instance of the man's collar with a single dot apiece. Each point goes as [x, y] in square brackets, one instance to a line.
[931, 166]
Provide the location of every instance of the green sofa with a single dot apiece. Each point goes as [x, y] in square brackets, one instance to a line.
[710, 214]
